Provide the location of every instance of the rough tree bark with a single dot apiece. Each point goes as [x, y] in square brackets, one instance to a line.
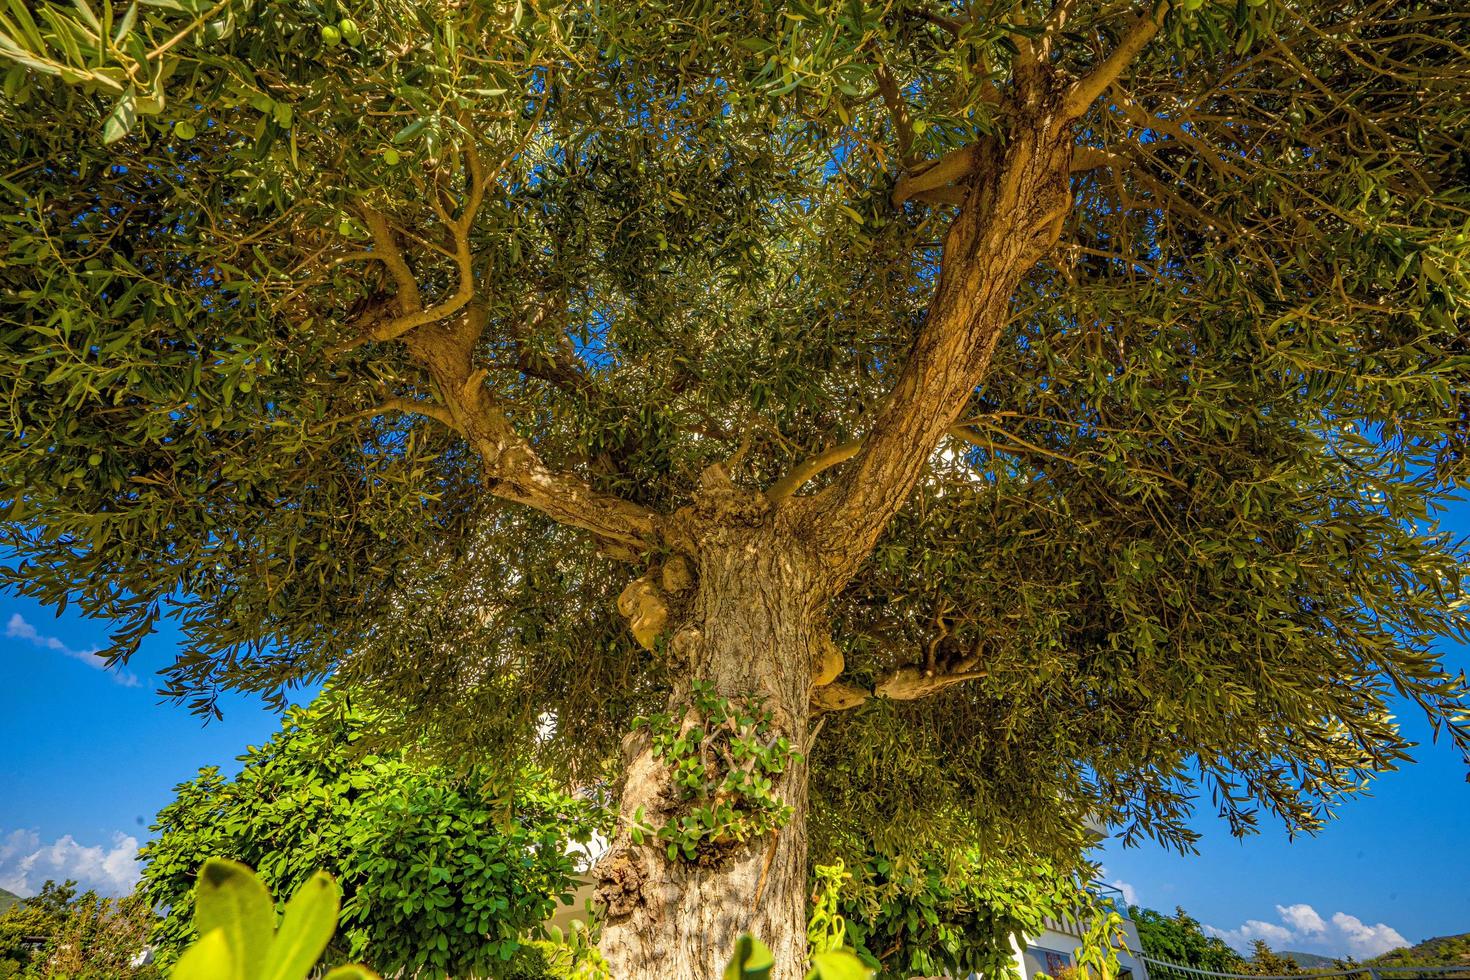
[742, 614]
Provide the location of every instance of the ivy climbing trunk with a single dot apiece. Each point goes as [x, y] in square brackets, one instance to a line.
[745, 634]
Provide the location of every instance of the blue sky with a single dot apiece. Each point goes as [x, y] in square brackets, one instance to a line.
[90, 755]
[1394, 865]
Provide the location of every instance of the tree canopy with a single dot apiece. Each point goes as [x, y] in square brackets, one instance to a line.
[1091, 369]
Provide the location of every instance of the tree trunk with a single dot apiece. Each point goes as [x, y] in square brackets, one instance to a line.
[754, 621]
[747, 628]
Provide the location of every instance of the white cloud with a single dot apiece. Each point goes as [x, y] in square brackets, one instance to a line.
[1300, 928]
[1277, 936]
[1365, 940]
[26, 863]
[19, 629]
[1302, 918]
[1130, 894]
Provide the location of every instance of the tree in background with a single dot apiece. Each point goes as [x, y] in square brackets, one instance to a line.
[442, 873]
[937, 421]
[62, 935]
[1179, 939]
[1265, 961]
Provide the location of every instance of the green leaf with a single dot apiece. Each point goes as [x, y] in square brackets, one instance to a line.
[838, 964]
[122, 118]
[231, 898]
[752, 960]
[208, 959]
[306, 928]
[352, 971]
[411, 130]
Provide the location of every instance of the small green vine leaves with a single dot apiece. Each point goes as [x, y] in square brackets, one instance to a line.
[723, 760]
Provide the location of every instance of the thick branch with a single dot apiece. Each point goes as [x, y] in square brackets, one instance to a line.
[954, 166]
[810, 467]
[913, 682]
[1085, 158]
[385, 248]
[1009, 220]
[898, 109]
[513, 469]
[1084, 91]
[907, 683]
[409, 407]
[413, 314]
[396, 327]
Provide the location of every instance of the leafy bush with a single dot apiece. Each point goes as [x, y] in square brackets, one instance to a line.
[441, 871]
[84, 937]
[1180, 939]
[953, 914]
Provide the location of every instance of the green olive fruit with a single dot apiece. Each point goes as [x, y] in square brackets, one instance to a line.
[391, 157]
[331, 37]
[349, 30]
[95, 459]
[185, 130]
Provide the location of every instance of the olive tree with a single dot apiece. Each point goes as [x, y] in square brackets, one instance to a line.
[916, 422]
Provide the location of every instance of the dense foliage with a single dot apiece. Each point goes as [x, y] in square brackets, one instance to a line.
[61, 934]
[442, 873]
[1091, 369]
[1179, 939]
[939, 916]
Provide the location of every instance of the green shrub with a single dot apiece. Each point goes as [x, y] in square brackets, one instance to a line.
[442, 872]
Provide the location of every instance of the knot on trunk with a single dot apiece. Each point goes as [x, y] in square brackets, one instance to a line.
[827, 661]
[677, 576]
[721, 505]
[645, 608]
[838, 696]
[646, 601]
[620, 880]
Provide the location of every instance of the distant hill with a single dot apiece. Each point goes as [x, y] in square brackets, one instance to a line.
[1439, 951]
[7, 899]
[1310, 961]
